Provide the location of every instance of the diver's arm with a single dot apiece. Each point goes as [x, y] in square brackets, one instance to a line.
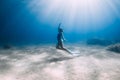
[59, 25]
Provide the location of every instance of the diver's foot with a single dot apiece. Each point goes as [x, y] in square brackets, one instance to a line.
[63, 48]
[57, 48]
[66, 50]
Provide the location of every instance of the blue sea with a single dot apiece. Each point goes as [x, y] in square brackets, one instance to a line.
[36, 22]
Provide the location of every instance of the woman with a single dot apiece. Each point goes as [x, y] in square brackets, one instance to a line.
[60, 38]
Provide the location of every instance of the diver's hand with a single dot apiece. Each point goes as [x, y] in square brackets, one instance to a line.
[64, 40]
[60, 24]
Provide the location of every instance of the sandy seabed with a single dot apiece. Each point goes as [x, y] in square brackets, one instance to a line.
[44, 62]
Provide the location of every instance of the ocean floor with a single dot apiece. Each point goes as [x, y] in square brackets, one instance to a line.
[44, 62]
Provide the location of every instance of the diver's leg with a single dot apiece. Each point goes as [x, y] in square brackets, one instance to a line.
[58, 45]
[61, 45]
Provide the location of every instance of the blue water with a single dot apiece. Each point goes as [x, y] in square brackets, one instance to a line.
[26, 22]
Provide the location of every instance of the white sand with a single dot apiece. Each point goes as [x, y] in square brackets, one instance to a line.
[47, 63]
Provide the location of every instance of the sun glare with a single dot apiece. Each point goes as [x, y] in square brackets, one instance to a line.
[76, 14]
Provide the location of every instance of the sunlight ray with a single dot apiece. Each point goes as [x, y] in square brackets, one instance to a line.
[77, 14]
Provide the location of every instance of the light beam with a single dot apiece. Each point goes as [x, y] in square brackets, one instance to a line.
[77, 14]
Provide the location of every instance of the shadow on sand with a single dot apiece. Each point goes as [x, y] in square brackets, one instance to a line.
[59, 59]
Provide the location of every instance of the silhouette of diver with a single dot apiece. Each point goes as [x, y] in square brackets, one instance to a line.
[60, 39]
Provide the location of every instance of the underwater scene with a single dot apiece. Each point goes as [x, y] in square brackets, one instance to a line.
[60, 40]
